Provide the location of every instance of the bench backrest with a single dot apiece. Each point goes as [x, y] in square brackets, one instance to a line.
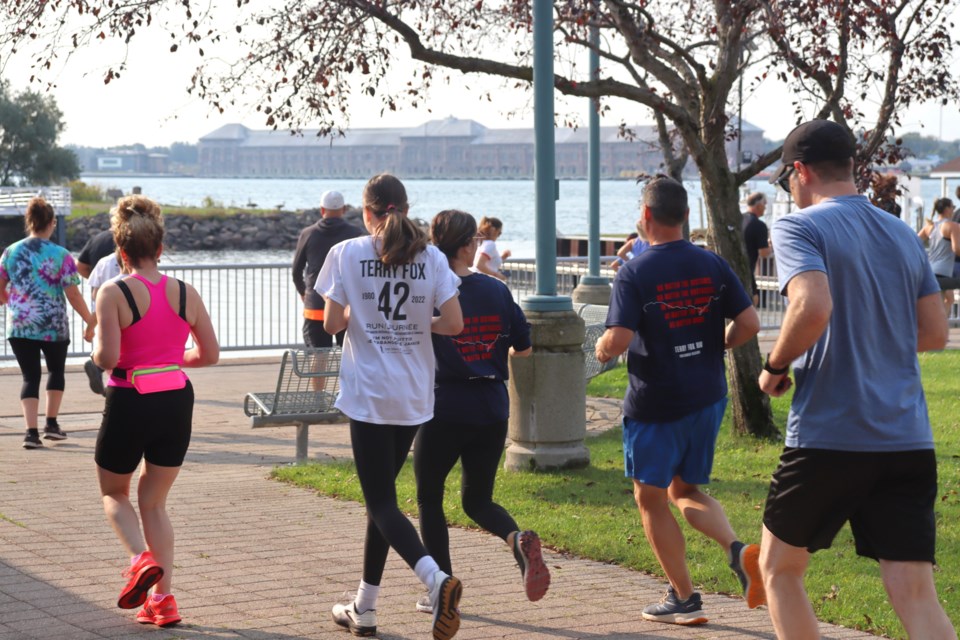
[308, 382]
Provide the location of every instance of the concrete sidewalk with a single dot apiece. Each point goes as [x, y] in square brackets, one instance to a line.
[259, 559]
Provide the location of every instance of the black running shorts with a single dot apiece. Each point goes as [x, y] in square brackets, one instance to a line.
[315, 336]
[153, 426]
[887, 497]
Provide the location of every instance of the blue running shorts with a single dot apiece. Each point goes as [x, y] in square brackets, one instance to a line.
[655, 452]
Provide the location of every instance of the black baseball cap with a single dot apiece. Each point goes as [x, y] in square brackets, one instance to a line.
[814, 141]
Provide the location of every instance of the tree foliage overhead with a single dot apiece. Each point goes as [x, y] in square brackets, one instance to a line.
[30, 124]
[304, 62]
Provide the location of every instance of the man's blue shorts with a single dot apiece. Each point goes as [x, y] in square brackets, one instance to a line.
[655, 452]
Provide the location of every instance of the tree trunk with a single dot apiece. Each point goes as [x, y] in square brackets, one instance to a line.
[751, 407]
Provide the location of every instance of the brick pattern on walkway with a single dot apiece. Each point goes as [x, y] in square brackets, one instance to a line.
[262, 560]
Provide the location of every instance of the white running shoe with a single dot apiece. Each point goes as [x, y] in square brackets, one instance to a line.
[360, 624]
[445, 598]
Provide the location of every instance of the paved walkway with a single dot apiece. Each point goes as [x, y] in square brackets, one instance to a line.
[262, 560]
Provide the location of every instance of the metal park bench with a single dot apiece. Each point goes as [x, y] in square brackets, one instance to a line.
[306, 390]
[594, 318]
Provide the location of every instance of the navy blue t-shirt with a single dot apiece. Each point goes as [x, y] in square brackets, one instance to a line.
[676, 297]
[472, 367]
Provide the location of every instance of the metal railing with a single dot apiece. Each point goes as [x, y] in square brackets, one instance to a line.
[255, 307]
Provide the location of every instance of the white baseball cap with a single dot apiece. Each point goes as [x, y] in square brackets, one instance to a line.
[331, 200]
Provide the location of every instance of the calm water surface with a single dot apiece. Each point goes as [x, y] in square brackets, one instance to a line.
[510, 200]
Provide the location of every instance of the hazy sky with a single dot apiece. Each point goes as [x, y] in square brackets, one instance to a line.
[149, 103]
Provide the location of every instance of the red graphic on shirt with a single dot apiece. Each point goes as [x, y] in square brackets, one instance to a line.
[685, 302]
[479, 337]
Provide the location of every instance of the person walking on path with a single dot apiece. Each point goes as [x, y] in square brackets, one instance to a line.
[144, 321]
[669, 307]
[943, 237]
[756, 237]
[94, 251]
[313, 245]
[383, 289]
[106, 269]
[471, 409]
[489, 260]
[859, 446]
[35, 276]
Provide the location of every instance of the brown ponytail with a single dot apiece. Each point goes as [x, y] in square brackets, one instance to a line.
[39, 215]
[386, 198]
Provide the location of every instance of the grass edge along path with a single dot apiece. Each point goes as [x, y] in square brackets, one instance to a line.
[844, 588]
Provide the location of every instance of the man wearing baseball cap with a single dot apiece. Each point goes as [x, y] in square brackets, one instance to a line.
[313, 245]
[859, 447]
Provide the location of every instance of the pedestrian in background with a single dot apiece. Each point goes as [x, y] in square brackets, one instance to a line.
[37, 278]
[756, 238]
[313, 245]
[383, 290]
[489, 260]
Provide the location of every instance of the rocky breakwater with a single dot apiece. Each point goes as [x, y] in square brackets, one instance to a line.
[212, 231]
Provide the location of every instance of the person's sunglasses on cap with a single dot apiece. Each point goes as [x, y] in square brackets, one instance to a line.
[784, 180]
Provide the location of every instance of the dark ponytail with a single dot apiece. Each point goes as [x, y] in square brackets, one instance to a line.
[402, 240]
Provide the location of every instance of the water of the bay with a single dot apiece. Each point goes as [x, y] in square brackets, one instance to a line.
[510, 200]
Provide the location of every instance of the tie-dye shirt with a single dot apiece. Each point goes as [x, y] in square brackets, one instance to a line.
[38, 271]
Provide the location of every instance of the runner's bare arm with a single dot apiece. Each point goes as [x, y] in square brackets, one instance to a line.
[744, 326]
[932, 328]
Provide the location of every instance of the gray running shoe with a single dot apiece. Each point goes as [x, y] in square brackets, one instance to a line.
[674, 611]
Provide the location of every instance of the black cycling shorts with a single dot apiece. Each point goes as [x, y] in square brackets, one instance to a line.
[887, 497]
[152, 426]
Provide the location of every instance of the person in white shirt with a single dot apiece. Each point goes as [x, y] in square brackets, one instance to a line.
[489, 260]
[106, 270]
[383, 289]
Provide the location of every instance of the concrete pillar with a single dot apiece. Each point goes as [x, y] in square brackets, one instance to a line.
[548, 397]
[592, 291]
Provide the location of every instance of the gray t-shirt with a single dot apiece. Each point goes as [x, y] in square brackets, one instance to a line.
[858, 388]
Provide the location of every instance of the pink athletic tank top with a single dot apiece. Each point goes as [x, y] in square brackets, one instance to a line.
[157, 338]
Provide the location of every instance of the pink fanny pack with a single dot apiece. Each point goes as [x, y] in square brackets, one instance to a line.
[154, 379]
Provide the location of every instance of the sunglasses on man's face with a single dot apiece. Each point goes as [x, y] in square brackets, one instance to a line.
[784, 180]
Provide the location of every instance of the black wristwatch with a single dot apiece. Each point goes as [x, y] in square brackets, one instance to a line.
[771, 370]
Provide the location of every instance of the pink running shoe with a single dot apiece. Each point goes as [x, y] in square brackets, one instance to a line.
[536, 575]
[143, 574]
[162, 612]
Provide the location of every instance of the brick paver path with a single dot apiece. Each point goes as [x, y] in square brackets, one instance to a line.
[259, 559]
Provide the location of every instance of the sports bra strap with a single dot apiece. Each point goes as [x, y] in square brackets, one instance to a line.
[129, 296]
[133, 305]
[183, 299]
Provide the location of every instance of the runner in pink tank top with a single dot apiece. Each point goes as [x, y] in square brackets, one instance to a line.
[157, 338]
[145, 321]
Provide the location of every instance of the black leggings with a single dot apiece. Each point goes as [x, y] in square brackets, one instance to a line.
[479, 447]
[379, 451]
[27, 352]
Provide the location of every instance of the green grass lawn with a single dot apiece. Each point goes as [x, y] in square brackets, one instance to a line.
[591, 512]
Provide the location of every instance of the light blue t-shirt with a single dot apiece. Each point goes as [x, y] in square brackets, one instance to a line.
[858, 388]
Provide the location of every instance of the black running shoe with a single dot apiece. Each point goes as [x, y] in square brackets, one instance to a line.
[32, 441]
[94, 377]
[54, 432]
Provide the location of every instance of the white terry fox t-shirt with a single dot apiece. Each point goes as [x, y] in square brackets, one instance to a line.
[387, 369]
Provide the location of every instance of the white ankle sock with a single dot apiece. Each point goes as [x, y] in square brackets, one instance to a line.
[425, 568]
[367, 595]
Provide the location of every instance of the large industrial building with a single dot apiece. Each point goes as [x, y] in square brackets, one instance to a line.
[446, 148]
